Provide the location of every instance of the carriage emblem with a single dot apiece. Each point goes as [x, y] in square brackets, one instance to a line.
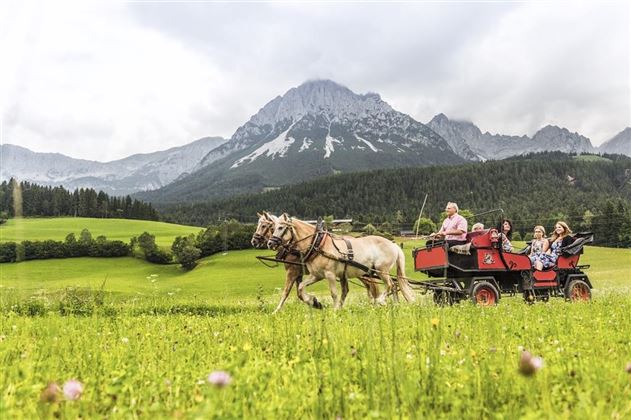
[488, 259]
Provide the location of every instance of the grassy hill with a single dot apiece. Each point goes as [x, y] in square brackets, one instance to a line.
[122, 229]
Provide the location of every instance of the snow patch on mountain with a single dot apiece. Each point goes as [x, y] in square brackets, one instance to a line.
[278, 146]
[305, 144]
[328, 146]
[369, 144]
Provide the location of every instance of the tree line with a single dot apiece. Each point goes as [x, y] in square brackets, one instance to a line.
[28, 199]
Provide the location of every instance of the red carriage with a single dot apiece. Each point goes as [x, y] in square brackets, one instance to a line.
[484, 272]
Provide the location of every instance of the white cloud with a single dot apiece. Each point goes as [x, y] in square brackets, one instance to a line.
[104, 80]
[88, 81]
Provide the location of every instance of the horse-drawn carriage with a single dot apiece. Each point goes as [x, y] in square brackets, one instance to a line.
[482, 271]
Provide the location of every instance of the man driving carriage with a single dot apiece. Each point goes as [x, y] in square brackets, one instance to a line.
[454, 227]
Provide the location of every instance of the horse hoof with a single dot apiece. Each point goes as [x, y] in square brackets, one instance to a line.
[317, 304]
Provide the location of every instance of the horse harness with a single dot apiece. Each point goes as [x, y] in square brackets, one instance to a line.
[315, 248]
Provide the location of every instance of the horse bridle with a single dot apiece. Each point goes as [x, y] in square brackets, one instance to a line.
[261, 237]
[277, 240]
[314, 248]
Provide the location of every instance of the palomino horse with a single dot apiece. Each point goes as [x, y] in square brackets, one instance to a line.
[324, 260]
[293, 271]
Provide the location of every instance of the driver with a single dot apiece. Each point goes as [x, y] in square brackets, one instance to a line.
[454, 227]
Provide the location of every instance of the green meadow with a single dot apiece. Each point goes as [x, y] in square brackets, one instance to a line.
[37, 229]
[143, 338]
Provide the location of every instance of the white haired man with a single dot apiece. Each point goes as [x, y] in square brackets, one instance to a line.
[454, 228]
[477, 227]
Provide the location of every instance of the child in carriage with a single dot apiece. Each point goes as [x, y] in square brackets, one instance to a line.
[538, 248]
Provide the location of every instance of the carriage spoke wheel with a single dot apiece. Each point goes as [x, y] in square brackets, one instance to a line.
[485, 293]
[578, 291]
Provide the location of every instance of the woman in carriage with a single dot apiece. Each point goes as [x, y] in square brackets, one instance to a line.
[559, 239]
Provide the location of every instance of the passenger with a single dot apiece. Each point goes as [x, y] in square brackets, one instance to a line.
[559, 239]
[466, 248]
[506, 233]
[454, 227]
[538, 248]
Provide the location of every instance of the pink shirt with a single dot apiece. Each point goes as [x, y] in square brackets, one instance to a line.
[455, 222]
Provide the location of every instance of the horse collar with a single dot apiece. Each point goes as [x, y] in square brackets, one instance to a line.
[314, 248]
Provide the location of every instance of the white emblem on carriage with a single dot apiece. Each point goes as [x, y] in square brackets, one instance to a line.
[488, 259]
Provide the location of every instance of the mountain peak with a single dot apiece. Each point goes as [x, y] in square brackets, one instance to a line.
[322, 84]
[620, 143]
[317, 97]
[440, 118]
[552, 137]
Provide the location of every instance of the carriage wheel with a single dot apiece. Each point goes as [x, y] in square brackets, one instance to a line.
[485, 294]
[578, 291]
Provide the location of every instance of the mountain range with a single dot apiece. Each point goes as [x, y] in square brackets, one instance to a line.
[120, 177]
[318, 128]
[464, 135]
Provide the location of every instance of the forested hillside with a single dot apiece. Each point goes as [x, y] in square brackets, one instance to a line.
[586, 191]
[36, 200]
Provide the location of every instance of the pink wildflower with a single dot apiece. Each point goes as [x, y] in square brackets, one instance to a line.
[219, 378]
[73, 390]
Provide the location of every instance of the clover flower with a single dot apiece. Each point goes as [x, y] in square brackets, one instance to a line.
[73, 390]
[219, 378]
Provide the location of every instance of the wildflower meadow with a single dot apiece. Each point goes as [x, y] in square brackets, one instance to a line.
[133, 341]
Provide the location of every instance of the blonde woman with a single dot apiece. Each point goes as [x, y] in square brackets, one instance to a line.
[538, 248]
[559, 239]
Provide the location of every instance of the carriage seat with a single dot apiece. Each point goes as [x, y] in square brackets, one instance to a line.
[472, 242]
[471, 235]
[576, 247]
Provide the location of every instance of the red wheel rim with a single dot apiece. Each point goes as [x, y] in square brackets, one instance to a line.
[485, 297]
[579, 292]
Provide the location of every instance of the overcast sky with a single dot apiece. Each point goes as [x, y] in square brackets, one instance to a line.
[105, 80]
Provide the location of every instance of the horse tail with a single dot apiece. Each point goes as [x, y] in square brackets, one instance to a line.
[404, 285]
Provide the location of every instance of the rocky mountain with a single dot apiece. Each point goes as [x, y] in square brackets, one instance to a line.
[460, 135]
[120, 177]
[620, 143]
[315, 129]
[497, 146]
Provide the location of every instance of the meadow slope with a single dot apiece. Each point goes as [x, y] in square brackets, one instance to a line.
[37, 229]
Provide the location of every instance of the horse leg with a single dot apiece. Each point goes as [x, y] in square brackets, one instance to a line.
[290, 278]
[305, 297]
[344, 284]
[332, 279]
[389, 286]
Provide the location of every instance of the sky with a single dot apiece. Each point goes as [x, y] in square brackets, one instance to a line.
[104, 80]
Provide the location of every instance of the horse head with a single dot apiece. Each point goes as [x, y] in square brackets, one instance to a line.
[283, 232]
[264, 229]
